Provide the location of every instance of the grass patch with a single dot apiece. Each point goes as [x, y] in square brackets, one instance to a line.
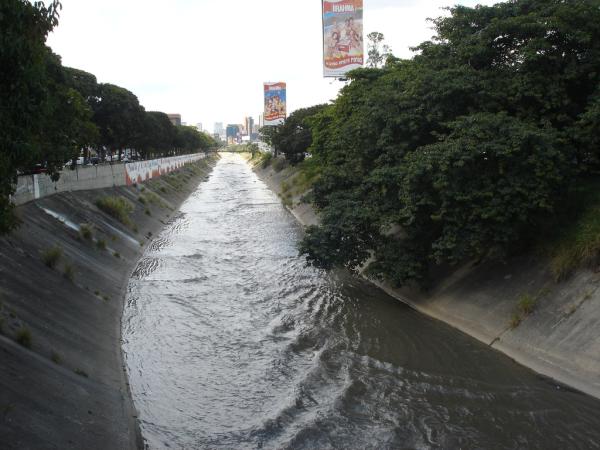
[142, 200]
[579, 245]
[117, 207]
[55, 357]
[265, 160]
[279, 164]
[81, 373]
[101, 244]
[69, 271]
[23, 337]
[525, 306]
[52, 256]
[86, 231]
[574, 242]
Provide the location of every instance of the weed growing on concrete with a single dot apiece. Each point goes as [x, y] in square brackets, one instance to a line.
[1, 325]
[117, 255]
[117, 207]
[525, 306]
[55, 357]
[578, 244]
[86, 231]
[147, 212]
[52, 256]
[23, 337]
[515, 320]
[96, 293]
[69, 271]
[141, 243]
[81, 373]
[106, 298]
[142, 200]
[101, 244]
[163, 189]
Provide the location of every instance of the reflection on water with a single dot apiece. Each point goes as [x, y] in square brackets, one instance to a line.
[231, 342]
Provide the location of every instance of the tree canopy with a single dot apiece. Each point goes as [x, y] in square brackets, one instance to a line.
[464, 151]
[49, 113]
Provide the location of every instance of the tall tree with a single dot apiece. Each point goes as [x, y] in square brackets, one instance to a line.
[23, 90]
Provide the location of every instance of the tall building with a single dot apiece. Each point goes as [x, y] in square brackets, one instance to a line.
[249, 123]
[219, 128]
[175, 119]
[199, 127]
[261, 121]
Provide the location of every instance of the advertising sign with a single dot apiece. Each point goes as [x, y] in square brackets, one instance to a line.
[275, 103]
[343, 48]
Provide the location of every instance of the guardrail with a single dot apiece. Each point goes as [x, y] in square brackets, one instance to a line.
[32, 187]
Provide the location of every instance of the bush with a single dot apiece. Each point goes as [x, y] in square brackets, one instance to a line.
[101, 244]
[86, 231]
[52, 256]
[23, 337]
[117, 207]
[69, 271]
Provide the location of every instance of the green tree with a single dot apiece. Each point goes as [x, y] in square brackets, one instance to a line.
[464, 151]
[23, 90]
[119, 116]
[377, 51]
[294, 137]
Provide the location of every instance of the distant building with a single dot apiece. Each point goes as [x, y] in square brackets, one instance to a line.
[199, 127]
[249, 124]
[233, 134]
[219, 128]
[261, 121]
[175, 119]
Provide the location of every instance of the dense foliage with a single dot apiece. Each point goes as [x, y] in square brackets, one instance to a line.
[465, 151]
[294, 137]
[50, 113]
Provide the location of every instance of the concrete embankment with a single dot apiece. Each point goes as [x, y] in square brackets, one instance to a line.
[560, 338]
[63, 276]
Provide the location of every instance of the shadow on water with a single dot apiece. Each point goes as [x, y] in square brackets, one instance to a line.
[231, 342]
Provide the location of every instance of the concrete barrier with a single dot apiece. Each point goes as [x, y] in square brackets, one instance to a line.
[32, 187]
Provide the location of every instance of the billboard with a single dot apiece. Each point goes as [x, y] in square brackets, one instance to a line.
[275, 103]
[343, 48]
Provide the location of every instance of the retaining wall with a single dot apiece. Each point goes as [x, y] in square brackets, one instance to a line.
[32, 187]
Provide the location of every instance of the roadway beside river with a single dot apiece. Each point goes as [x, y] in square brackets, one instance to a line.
[63, 275]
[558, 339]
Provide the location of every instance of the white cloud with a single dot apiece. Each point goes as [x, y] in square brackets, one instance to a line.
[207, 59]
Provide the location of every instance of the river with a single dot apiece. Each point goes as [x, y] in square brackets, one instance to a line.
[231, 342]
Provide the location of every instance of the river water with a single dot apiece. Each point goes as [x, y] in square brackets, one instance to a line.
[232, 343]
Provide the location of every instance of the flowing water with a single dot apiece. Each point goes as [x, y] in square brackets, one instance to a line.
[232, 343]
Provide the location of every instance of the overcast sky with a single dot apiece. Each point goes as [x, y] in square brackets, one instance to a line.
[207, 59]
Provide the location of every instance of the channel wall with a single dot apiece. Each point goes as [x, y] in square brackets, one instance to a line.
[63, 383]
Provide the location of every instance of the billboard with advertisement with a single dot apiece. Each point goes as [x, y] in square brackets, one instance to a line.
[343, 48]
[275, 103]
